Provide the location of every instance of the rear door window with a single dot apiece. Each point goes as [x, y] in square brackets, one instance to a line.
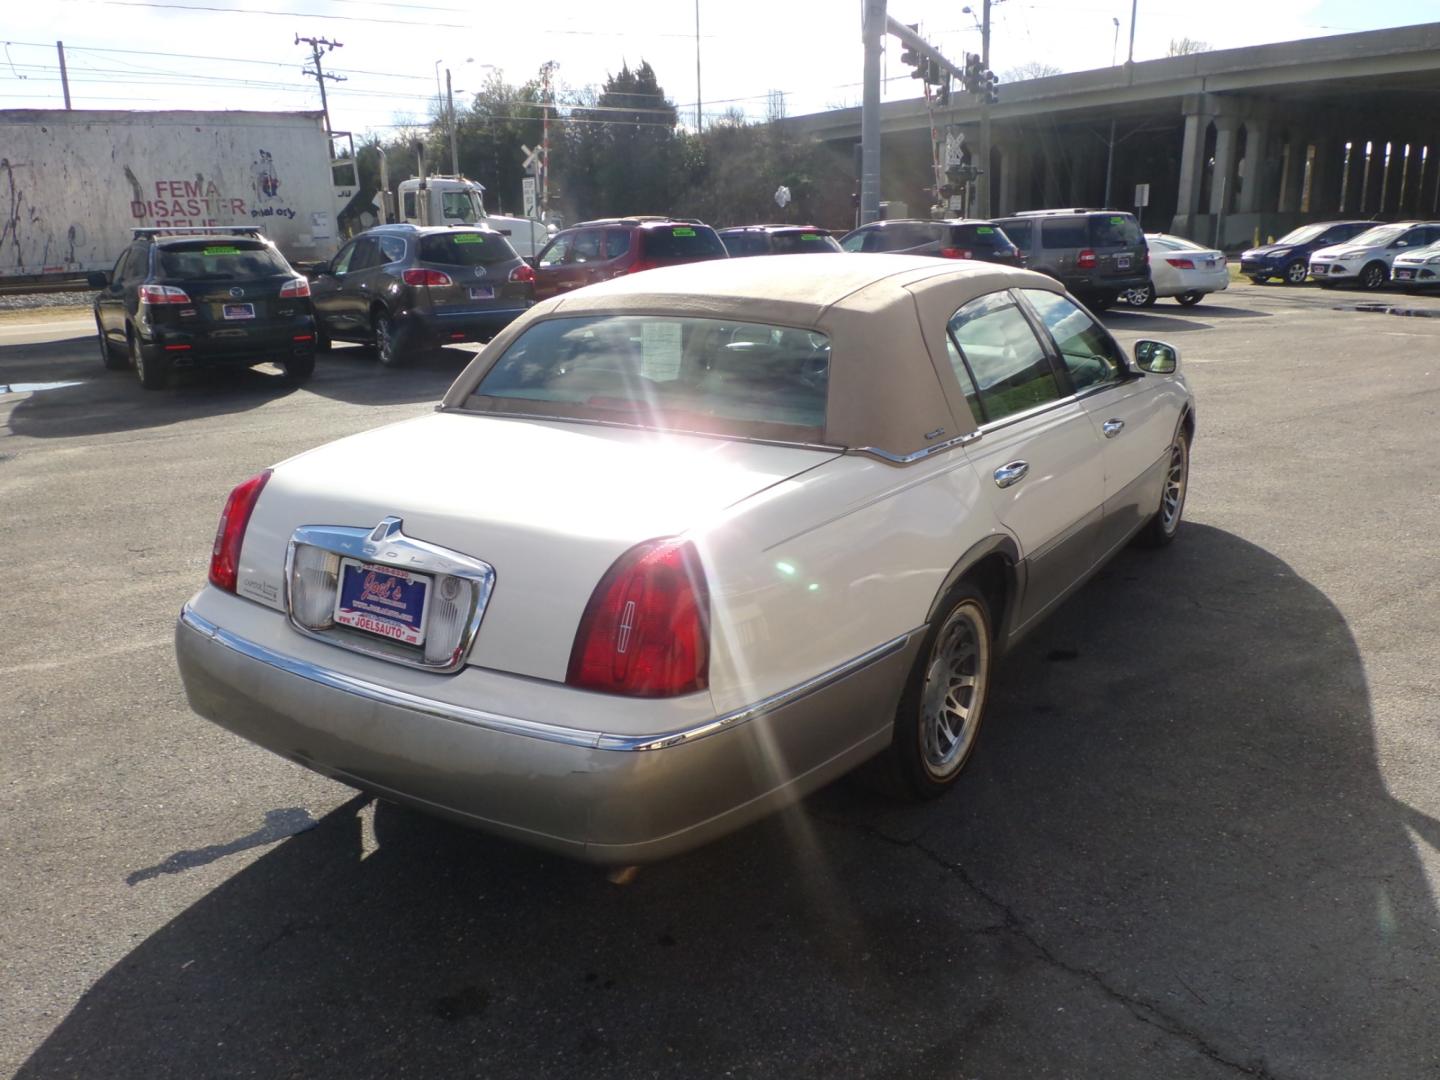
[1064, 233]
[683, 242]
[367, 254]
[617, 243]
[1114, 230]
[586, 247]
[392, 249]
[744, 243]
[802, 242]
[465, 248]
[1003, 367]
[856, 240]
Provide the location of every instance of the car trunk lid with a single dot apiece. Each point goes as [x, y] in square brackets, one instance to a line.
[549, 505]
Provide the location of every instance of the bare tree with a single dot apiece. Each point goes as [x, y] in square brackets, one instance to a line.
[1033, 69]
[1187, 47]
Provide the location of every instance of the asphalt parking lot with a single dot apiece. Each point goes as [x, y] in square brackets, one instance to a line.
[1200, 838]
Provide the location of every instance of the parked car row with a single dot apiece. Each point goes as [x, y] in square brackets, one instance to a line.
[1356, 253]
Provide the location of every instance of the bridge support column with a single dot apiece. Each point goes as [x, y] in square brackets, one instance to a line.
[1013, 162]
[1222, 184]
[1292, 176]
[1254, 177]
[1192, 164]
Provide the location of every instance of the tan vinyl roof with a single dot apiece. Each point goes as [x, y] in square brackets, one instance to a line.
[890, 385]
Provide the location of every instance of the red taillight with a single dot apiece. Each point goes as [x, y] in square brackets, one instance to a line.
[641, 264]
[162, 294]
[1086, 260]
[225, 556]
[956, 253]
[646, 630]
[1180, 263]
[523, 273]
[426, 277]
[297, 288]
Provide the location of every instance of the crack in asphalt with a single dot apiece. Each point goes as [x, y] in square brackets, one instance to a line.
[1140, 1009]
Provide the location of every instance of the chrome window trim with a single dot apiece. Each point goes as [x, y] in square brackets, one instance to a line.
[511, 725]
[921, 454]
[387, 545]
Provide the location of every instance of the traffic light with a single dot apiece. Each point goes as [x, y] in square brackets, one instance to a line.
[912, 58]
[974, 73]
[992, 88]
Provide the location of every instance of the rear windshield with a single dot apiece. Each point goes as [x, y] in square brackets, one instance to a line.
[466, 248]
[1066, 232]
[221, 259]
[683, 242]
[745, 380]
[1115, 230]
[745, 243]
[800, 243]
[985, 237]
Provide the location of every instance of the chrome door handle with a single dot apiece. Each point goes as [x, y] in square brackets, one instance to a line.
[1011, 474]
[1111, 428]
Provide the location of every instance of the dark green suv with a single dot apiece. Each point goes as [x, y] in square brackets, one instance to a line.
[1096, 254]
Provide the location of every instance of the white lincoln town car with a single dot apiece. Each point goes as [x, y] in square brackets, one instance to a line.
[678, 548]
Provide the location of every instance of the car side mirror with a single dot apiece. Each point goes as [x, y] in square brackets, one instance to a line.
[97, 279]
[1156, 357]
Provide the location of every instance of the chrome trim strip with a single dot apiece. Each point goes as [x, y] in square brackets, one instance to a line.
[759, 708]
[511, 725]
[922, 453]
[387, 544]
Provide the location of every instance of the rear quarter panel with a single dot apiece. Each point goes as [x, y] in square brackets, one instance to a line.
[830, 564]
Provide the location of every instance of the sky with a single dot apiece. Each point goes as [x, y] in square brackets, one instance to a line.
[240, 54]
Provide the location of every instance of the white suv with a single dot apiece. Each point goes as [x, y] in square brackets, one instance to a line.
[1365, 260]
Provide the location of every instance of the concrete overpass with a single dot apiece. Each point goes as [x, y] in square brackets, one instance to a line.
[1233, 142]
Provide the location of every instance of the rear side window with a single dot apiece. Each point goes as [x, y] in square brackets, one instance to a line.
[676, 373]
[900, 237]
[683, 242]
[744, 243]
[220, 259]
[1115, 230]
[465, 248]
[392, 249]
[586, 247]
[1003, 366]
[1064, 233]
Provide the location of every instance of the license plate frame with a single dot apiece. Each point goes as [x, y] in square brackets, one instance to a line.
[237, 311]
[380, 601]
[1122, 262]
[482, 292]
[1403, 274]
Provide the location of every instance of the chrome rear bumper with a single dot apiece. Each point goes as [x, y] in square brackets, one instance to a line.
[604, 798]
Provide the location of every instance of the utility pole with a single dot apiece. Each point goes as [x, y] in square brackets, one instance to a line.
[546, 70]
[64, 76]
[697, 67]
[982, 182]
[320, 73]
[450, 113]
[872, 33]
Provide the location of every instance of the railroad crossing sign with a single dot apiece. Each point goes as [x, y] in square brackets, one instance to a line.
[532, 158]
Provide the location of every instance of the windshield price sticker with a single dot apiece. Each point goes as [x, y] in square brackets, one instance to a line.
[984, 230]
[682, 231]
[810, 236]
[469, 238]
[660, 346]
[1117, 221]
[226, 250]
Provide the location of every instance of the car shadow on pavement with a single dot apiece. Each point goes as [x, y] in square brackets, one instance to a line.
[1174, 855]
[90, 400]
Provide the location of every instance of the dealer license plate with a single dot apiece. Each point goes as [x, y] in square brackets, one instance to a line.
[382, 600]
[1404, 275]
[482, 292]
[239, 311]
[1122, 262]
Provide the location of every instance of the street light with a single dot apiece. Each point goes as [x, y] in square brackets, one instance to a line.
[449, 106]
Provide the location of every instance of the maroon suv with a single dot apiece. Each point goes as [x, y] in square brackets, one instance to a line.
[596, 250]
